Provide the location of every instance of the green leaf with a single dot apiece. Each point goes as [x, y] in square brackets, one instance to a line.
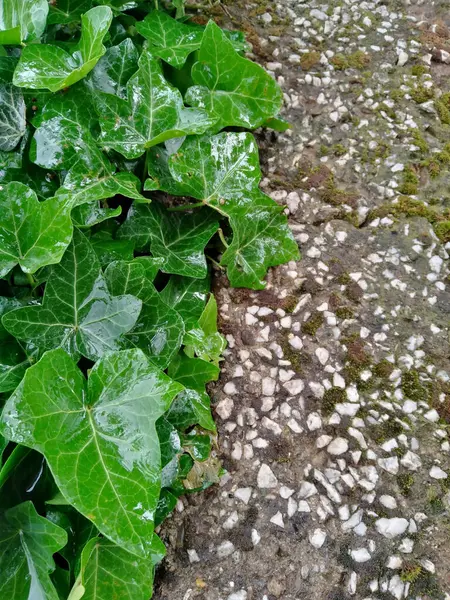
[198, 446]
[204, 340]
[27, 543]
[92, 213]
[192, 373]
[67, 11]
[77, 312]
[81, 187]
[51, 67]
[22, 20]
[108, 250]
[98, 437]
[188, 297]
[169, 39]
[13, 364]
[223, 172]
[189, 408]
[113, 71]
[234, 90]
[153, 112]
[179, 239]
[32, 233]
[277, 124]
[159, 330]
[109, 571]
[12, 117]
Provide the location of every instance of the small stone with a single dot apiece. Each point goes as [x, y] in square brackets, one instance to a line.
[294, 387]
[317, 538]
[266, 478]
[437, 473]
[411, 461]
[266, 17]
[314, 421]
[286, 492]
[231, 521]
[388, 501]
[243, 494]
[402, 58]
[256, 538]
[323, 355]
[307, 489]
[193, 556]
[224, 408]
[240, 595]
[360, 555]
[391, 528]
[277, 519]
[389, 464]
[225, 549]
[338, 446]
[268, 386]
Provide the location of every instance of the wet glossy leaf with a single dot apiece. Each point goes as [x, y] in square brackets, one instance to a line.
[51, 67]
[178, 238]
[27, 543]
[159, 329]
[92, 213]
[108, 249]
[98, 437]
[170, 39]
[77, 313]
[22, 20]
[113, 71]
[188, 297]
[109, 571]
[189, 408]
[193, 373]
[204, 341]
[32, 233]
[223, 171]
[234, 90]
[198, 446]
[68, 11]
[152, 113]
[81, 187]
[13, 364]
[12, 117]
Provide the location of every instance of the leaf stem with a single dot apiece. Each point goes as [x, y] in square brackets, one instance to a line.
[182, 207]
[215, 263]
[222, 237]
[31, 280]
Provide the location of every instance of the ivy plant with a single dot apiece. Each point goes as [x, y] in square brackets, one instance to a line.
[128, 175]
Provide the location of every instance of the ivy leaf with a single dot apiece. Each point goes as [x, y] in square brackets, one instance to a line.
[51, 67]
[193, 373]
[81, 187]
[106, 567]
[170, 39]
[159, 329]
[234, 90]
[12, 117]
[13, 364]
[179, 239]
[153, 112]
[32, 233]
[204, 340]
[223, 172]
[92, 213]
[108, 249]
[113, 71]
[77, 312]
[67, 11]
[191, 407]
[188, 297]
[98, 437]
[27, 543]
[22, 20]
[198, 446]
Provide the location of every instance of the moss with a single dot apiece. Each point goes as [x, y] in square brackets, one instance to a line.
[387, 430]
[410, 182]
[345, 312]
[335, 196]
[294, 357]
[442, 230]
[405, 481]
[314, 322]
[357, 60]
[418, 70]
[410, 572]
[354, 292]
[412, 388]
[419, 141]
[421, 94]
[383, 369]
[442, 111]
[339, 150]
[397, 95]
[309, 60]
[332, 397]
[344, 279]
[289, 303]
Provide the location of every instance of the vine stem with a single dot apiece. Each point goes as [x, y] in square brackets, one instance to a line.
[31, 279]
[215, 263]
[145, 171]
[222, 238]
[182, 207]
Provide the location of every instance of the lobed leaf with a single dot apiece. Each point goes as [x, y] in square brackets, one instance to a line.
[98, 437]
[12, 117]
[22, 20]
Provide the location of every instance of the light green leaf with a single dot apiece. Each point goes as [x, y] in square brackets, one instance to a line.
[113, 71]
[234, 90]
[27, 543]
[77, 312]
[12, 117]
[193, 373]
[84, 188]
[159, 330]
[108, 571]
[32, 233]
[153, 112]
[170, 39]
[188, 297]
[98, 437]
[22, 20]
[204, 340]
[51, 67]
[179, 239]
[191, 407]
[223, 172]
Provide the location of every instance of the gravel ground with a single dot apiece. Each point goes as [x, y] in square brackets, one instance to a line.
[333, 408]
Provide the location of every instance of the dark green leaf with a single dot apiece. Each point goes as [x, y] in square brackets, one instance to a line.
[51, 67]
[13, 364]
[178, 238]
[223, 172]
[169, 39]
[92, 213]
[114, 69]
[159, 330]
[198, 446]
[234, 90]
[82, 187]
[189, 408]
[153, 112]
[12, 117]
[98, 437]
[67, 11]
[32, 233]
[22, 20]
[27, 543]
[77, 313]
[108, 250]
[188, 297]
[193, 373]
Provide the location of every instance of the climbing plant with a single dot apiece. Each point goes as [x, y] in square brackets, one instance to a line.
[127, 170]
